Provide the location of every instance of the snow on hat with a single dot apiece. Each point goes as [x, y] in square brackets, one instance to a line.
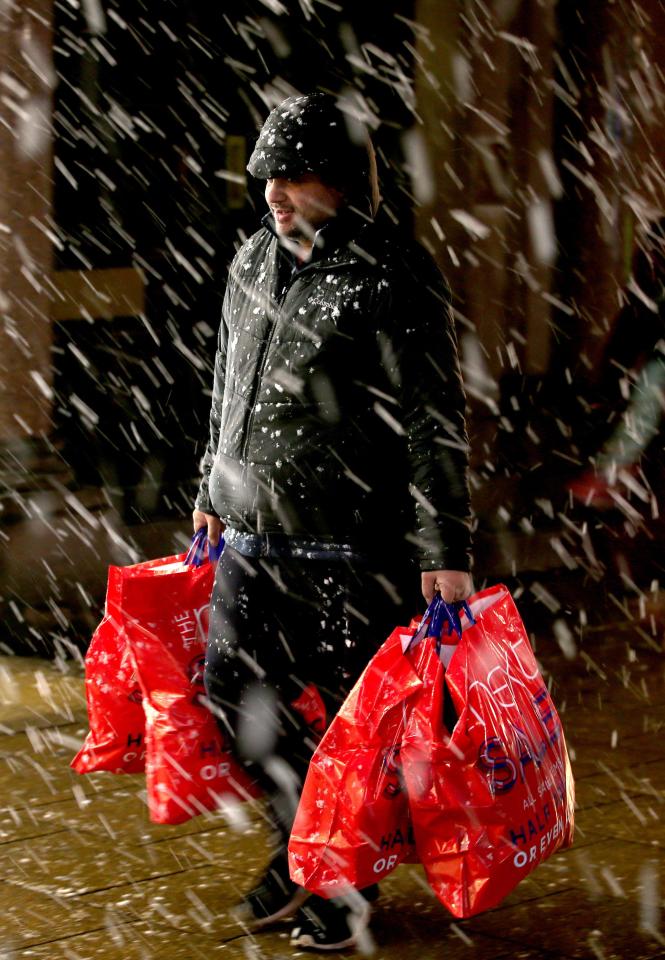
[310, 134]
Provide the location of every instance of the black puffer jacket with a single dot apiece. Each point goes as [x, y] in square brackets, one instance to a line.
[337, 411]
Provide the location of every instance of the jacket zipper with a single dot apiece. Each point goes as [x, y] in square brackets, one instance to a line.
[280, 301]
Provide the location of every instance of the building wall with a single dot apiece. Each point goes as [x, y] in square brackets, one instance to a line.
[486, 99]
[611, 148]
[544, 123]
[26, 292]
[515, 101]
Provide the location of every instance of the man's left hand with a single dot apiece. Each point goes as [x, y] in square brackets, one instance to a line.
[452, 585]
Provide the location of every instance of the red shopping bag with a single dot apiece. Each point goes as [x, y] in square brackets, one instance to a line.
[189, 766]
[162, 612]
[144, 677]
[116, 739]
[493, 798]
[352, 825]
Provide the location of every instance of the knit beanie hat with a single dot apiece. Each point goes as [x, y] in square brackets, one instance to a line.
[310, 134]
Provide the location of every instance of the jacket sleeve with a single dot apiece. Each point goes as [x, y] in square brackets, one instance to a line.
[424, 367]
[203, 501]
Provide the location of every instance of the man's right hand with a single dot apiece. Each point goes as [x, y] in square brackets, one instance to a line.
[214, 525]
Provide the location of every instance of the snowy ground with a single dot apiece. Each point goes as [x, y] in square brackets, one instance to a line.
[86, 875]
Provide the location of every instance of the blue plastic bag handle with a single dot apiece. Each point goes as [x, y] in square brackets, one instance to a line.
[196, 554]
[451, 615]
[440, 614]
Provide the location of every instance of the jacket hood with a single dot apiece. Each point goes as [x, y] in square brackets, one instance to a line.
[311, 134]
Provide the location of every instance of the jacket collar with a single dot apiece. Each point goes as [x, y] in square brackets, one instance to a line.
[334, 241]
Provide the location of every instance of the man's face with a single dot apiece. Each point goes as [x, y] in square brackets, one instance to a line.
[300, 206]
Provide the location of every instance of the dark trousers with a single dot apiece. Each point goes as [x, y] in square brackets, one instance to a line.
[278, 625]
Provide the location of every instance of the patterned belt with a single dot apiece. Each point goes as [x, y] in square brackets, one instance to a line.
[283, 545]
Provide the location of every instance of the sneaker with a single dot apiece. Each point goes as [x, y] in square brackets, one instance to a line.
[332, 924]
[275, 898]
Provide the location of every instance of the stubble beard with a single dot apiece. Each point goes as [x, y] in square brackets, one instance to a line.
[296, 233]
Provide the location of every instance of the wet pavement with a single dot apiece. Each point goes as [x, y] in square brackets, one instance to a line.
[86, 875]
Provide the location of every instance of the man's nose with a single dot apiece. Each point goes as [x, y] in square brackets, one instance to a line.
[275, 190]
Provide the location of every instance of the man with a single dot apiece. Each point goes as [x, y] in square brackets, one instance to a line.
[336, 464]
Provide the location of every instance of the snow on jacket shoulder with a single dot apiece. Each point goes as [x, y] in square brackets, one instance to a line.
[338, 410]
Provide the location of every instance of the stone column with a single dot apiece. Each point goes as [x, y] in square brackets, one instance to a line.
[611, 147]
[26, 229]
[484, 92]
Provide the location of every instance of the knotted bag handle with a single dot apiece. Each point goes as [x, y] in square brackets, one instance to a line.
[201, 548]
[438, 615]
